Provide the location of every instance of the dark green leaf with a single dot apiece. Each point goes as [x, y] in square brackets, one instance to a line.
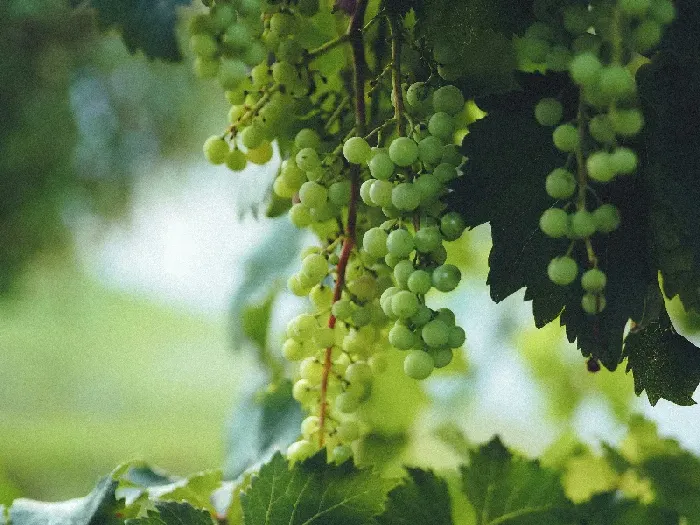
[170, 513]
[255, 320]
[97, 508]
[609, 509]
[398, 7]
[422, 499]
[145, 25]
[664, 363]
[314, 493]
[675, 480]
[505, 489]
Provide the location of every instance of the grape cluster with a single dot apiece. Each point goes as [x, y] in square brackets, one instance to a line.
[596, 45]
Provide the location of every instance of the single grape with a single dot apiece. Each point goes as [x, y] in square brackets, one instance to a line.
[307, 138]
[314, 267]
[307, 159]
[577, 19]
[356, 150]
[548, 112]
[607, 218]
[442, 126]
[284, 73]
[419, 96]
[560, 184]
[566, 138]
[420, 282]
[381, 166]
[292, 175]
[310, 426]
[456, 337]
[235, 113]
[663, 11]
[448, 99]
[554, 223]
[312, 194]
[297, 286]
[293, 350]
[402, 337]
[348, 431]
[422, 316]
[282, 24]
[203, 45]
[232, 73]
[260, 155]
[402, 271]
[281, 189]
[418, 364]
[358, 372]
[365, 192]
[562, 270]
[532, 50]
[252, 136]
[405, 197]
[627, 122]
[647, 35]
[364, 287]
[300, 215]
[447, 316]
[216, 150]
[321, 297]
[445, 172]
[347, 403]
[585, 68]
[311, 370]
[558, 59]
[339, 193]
[616, 82]
[593, 280]
[206, 67]
[600, 166]
[451, 155]
[404, 304]
[260, 75]
[430, 150]
[592, 304]
[601, 129]
[623, 160]
[435, 333]
[236, 160]
[429, 187]
[340, 454]
[374, 242]
[400, 243]
[582, 224]
[403, 151]
[300, 450]
[380, 192]
[428, 239]
[634, 7]
[446, 277]
[441, 357]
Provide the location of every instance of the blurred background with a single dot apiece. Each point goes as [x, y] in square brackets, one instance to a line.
[127, 264]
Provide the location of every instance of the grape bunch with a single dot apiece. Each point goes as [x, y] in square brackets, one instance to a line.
[597, 45]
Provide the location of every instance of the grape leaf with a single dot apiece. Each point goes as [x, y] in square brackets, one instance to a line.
[422, 499]
[675, 479]
[505, 489]
[314, 493]
[664, 363]
[97, 508]
[145, 25]
[196, 490]
[171, 513]
[609, 509]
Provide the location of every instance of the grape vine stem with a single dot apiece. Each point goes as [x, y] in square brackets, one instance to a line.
[355, 36]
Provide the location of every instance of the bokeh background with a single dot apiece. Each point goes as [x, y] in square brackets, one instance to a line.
[126, 261]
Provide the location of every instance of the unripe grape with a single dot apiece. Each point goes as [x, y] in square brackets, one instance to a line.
[419, 96]
[418, 364]
[232, 73]
[216, 150]
[252, 137]
[292, 175]
[429, 187]
[441, 357]
[447, 316]
[663, 11]
[647, 35]
[430, 150]
[340, 454]
[347, 403]
[312, 194]
[616, 82]
[206, 67]
[260, 155]
[623, 160]
[554, 223]
[566, 138]
[403, 151]
[236, 160]
[405, 197]
[446, 277]
[284, 73]
[627, 122]
[303, 392]
[427, 239]
[400, 243]
[585, 68]
[582, 224]
[281, 189]
[290, 51]
[592, 304]
[300, 450]
[456, 337]
[601, 129]
[300, 215]
[404, 304]
[452, 225]
[356, 150]
[452, 155]
[381, 166]
[339, 193]
[236, 112]
[293, 350]
[203, 45]
[401, 337]
[562, 270]
[420, 282]
[593, 280]
[358, 372]
[307, 159]
[448, 99]
[311, 370]
[560, 184]
[607, 218]
[402, 271]
[435, 333]
[374, 242]
[441, 125]
[548, 112]
[600, 167]
[422, 316]
[445, 172]
[558, 59]
[307, 138]
[634, 7]
[380, 192]
[365, 192]
[348, 431]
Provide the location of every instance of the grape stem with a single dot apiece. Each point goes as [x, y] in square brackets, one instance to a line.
[253, 110]
[355, 36]
[396, 74]
[332, 44]
[582, 174]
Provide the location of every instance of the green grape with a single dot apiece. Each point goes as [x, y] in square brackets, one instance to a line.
[238, 36]
[358, 372]
[284, 73]
[374, 242]
[623, 160]
[634, 7]
[324, 212]
[340, 454]
[293, 350]
[339, 193]
[647, 35]
[446, 277]
[558, 58]
[252, 136]
[216, 150]
[310, 426]
[445, 172]
[404, 304]
[548, 112]
[203, 45]
[386, 297]
[312, 194]
[592, 304]
[380, 192]
[627, 122]
[601, 129]
[282, 24]
[585, 69]
[281, 189]
[429, 187]
[307, 138]
[456, 337]
[381, 167]
[222, 16]
[402, 271]
[422, 316]
[447, 316]
[577, 19]
[451, 155]
[554, 223]
[401, 337]
[260, 155]
[232, 73]
[442, 126]
[290, 51]
[600, 167]
[347, 403]
[448, 99]
[321, 297]
[300, 450]
[663, 11]
[297, 287]
[420, 282]
[314, 267]
[348, 431]
[235, 113]
[400, 243]
[586, 43]
[199, 23]
[566, 138]
[300, 215]
[379, 363]
[616, 82]
[445, 53]
[307, 159]
[365, 194]
[405, 197]
[303, 392]
[582, 224]
[441, 357]
[260, 75]
[254, 54]
[356, 150]
[311, 370]
[452, 225]
[236, 97]
[532, 50]
[363, 287]
[419, 96]
[392, 260]
[593, 280]
[562, 270]
[430, 150]
[206, 68]
[560, 184]
[418, 364]
[607, 218]
[403, 151]
[435, 333]
[428, 239]
[292, 175]
[236, 160]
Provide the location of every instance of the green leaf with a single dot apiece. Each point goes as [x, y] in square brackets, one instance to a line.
[505, 489]
[609, 509]
[422, 499]
[196, 490]
[145, 25]
[97, 508]
[255, 320]
[170, 513]
[664, 363]
[314, 493]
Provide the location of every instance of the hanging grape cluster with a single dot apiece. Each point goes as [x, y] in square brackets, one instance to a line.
[599, 45]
